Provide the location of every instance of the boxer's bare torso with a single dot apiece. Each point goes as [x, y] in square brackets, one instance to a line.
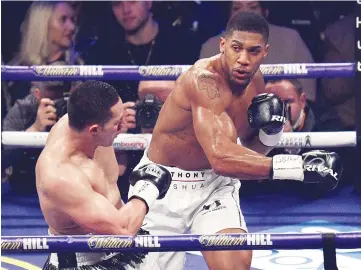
[61, 160]
[174, 141]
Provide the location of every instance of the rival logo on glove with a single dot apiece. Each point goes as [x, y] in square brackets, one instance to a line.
[154, 170]
[278, 118]
[322, 170]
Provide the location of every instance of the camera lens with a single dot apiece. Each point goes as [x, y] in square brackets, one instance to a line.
[147, 117]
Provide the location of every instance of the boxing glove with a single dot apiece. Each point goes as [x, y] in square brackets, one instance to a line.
[150, 182]
[322, 168]
[267, 113]
[313, 167]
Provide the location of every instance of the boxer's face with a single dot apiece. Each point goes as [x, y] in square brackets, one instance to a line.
[132, 15]
[62, 26]
[111, 129]
[286, 91]
[242, 54]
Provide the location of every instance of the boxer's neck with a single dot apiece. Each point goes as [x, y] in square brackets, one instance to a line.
[145, 34]
[81, 143]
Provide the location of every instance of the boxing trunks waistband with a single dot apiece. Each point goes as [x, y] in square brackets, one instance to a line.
[184, 177]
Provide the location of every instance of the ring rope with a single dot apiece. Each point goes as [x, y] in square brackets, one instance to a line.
[141, 141]
[168, 72]
[167, 243]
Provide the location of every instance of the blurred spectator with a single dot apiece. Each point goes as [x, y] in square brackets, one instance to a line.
[47, 36]
[340, 47]
[138, 39]
[37, 112]
[286, 45]
[339, 93]
[301, 117]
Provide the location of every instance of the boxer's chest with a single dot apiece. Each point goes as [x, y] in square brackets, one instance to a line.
[108, 176]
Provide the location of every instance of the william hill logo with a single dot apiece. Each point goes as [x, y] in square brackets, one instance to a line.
[69, 70]
[99, 242]
[241, 240]
[160, 71]
[147, 241]
[33, 243]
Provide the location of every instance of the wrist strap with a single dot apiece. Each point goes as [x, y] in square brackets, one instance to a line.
[269, 140]
[287, 167]
[145, 191]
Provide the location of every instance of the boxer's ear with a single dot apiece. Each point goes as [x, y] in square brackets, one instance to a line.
[222, 45]
[93, 129]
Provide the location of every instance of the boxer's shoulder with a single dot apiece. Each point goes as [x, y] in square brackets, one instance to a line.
[67, 176]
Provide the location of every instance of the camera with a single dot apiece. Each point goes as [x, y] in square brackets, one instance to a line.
[147, 111]
[61, 106]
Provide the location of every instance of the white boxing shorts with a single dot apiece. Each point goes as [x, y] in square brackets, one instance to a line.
[197, 202]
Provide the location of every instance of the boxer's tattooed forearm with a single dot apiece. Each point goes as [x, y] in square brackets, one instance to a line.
[210, 85]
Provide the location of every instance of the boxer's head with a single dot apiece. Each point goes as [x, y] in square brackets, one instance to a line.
[290, 91]
[96, 110]
[132, 15]
[243, 46]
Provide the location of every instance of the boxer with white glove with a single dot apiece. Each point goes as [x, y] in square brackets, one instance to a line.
[150, 182]
[268, 113]
[313, 167]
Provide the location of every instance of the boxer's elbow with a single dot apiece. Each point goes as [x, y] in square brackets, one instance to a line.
[118, 229]
[219, 167]
[217, 161]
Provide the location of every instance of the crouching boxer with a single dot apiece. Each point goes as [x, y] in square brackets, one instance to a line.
[76, 177]
[216, 101]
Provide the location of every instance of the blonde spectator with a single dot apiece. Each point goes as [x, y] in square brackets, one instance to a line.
[47, 37]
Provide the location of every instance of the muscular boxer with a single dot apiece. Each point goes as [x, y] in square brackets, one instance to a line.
[76, 177]
[216, 101]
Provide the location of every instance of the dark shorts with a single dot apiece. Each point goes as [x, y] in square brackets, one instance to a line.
[92, 261]
[95, 261]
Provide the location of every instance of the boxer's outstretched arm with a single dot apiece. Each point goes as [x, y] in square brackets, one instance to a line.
[74, 195]
[217, 134]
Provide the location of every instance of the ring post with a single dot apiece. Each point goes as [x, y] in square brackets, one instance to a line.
[329, 251]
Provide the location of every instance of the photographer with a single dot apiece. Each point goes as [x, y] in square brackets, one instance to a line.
[37, 112]
[152, 95]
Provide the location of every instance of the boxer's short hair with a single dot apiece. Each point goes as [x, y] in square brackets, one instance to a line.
[248, 22]
[90, 103]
